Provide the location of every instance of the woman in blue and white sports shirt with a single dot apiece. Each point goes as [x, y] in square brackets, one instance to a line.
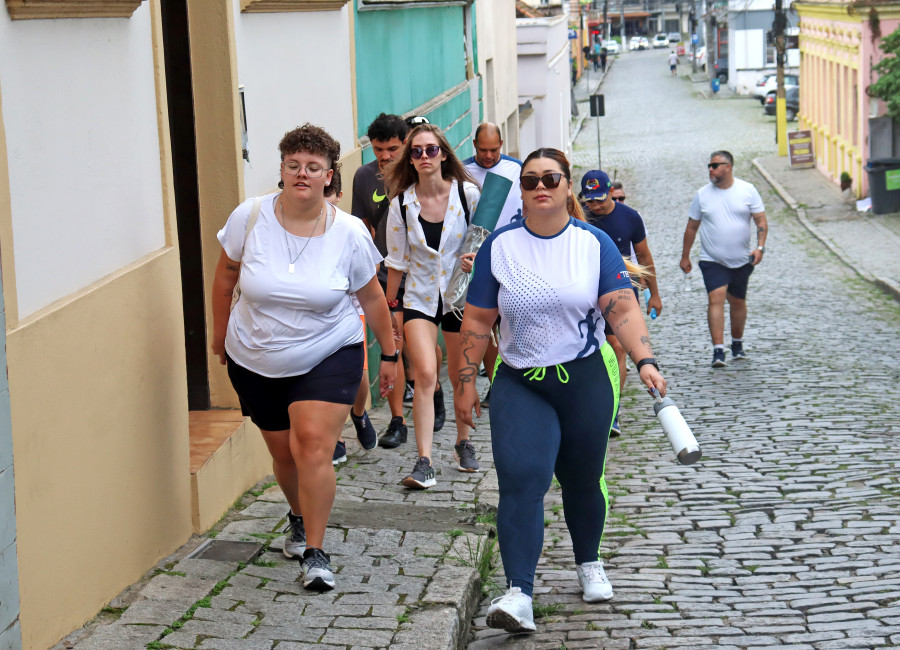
[554, 280]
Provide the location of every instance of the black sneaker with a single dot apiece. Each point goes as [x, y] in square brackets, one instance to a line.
[486, 402]
[340, 453]
[464, 453]
[395, 435]
[408, 394]
[718, 358]
[295, 542]
[737, 350]
[440, 411]
[422, 475]
[365, 432]
[317, 575]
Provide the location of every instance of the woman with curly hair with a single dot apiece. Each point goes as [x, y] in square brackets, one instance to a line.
[432, 201]
[293, 342]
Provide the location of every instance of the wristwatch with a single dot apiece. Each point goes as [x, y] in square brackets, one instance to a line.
[761, 249]
[649, 361]
[391, 357]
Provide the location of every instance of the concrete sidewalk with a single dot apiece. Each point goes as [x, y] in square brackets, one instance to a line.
[867, 243]
[402, 561]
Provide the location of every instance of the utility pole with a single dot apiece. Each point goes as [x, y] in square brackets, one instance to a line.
[605, 27]
[692, 23]
[624, 44]
[780, 107]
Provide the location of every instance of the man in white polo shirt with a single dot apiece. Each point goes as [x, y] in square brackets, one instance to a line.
[722, 211]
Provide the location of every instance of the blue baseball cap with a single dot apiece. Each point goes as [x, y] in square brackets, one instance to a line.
[595, 185]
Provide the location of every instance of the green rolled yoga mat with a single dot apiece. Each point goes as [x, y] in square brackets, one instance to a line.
[493, 198]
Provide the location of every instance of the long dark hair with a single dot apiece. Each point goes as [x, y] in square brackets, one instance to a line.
[400, 174]
[572, 206]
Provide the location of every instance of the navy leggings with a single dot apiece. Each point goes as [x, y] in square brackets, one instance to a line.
[546, 421]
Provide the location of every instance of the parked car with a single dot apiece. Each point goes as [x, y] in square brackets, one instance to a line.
[673, 37]
[660, 40]
[700, 56]
[769, 83]
[720, 69]
[638, 43]
[612, 47]
[791, 103]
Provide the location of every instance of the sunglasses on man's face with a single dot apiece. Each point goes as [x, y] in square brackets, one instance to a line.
[431, 151]
[619, 198]
[550, 181]
[715, 165]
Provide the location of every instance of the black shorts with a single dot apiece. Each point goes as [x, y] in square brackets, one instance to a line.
[715, 275]
[400, 291]
[447, 322]
[606, 327]
[266, 400]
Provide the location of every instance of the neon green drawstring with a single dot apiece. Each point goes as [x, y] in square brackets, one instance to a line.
[538, 374]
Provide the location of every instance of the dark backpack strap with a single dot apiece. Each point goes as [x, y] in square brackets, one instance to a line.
[402, 209]
[462, 200]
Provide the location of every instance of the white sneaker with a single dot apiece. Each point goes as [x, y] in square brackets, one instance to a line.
[593, 581]
[511, 612]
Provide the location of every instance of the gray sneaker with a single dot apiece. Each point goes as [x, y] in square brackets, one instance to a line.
[317, 575]
[422, 475]
[464, 453]
[295, 542]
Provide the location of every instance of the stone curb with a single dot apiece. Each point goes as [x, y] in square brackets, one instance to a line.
[885, 284]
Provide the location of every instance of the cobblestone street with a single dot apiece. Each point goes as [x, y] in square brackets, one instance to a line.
[786, 533]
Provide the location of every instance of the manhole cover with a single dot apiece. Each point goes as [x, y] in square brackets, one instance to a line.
[228, 551]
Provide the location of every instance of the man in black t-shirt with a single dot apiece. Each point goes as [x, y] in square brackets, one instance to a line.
[370, 203]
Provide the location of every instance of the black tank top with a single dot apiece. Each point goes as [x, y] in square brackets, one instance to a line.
[432, 233]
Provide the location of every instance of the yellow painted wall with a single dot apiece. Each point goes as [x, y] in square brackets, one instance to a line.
[100, 441]
[100, 425]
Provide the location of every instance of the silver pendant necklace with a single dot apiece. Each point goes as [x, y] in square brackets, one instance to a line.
[308, 239]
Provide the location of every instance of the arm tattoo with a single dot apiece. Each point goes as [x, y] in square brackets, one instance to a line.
[468, 341]
[609, 309]
[760, 229]
[621, 325]
[645, 340]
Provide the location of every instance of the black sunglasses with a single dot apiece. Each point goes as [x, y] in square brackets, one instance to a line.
[716, 165]
[550, 181]
[431, 151]
[619, 198]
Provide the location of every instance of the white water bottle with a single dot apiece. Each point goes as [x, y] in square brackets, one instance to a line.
[677, 430]
[687, 281]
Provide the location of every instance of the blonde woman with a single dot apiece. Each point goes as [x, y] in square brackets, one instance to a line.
[432, 200]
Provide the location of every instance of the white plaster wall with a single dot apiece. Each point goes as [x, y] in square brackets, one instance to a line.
[295, 68]
[496, 24]
[543, 75]
[79, 106]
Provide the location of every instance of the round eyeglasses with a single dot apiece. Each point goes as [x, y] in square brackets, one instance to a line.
[312, 170]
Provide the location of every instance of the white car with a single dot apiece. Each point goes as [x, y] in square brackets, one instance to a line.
[700, 56]
[769, 82]
[638, 43]
[660, 40]
[612, 47]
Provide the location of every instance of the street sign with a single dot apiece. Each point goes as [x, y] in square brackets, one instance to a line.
[572, 34]
[695, 38]
[597, 106]
[800, 149]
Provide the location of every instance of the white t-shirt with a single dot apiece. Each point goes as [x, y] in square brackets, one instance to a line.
[507, 167]
[724, 217]
[284, 324]
[547, 291]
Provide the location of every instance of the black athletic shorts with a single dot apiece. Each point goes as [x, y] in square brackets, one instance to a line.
[715, 275]
[266, 400]
[400, 292]
[447, 322]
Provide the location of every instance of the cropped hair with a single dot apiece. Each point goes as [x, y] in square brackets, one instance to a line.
[400, 174]
[723, 154]
[311, 139]
[386, 127]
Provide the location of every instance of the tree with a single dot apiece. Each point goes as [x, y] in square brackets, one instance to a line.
[887, 87]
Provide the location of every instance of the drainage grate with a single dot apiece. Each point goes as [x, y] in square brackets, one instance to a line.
[227, 551]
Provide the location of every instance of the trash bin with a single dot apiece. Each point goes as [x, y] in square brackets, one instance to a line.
[884, 184]
[714, 84]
